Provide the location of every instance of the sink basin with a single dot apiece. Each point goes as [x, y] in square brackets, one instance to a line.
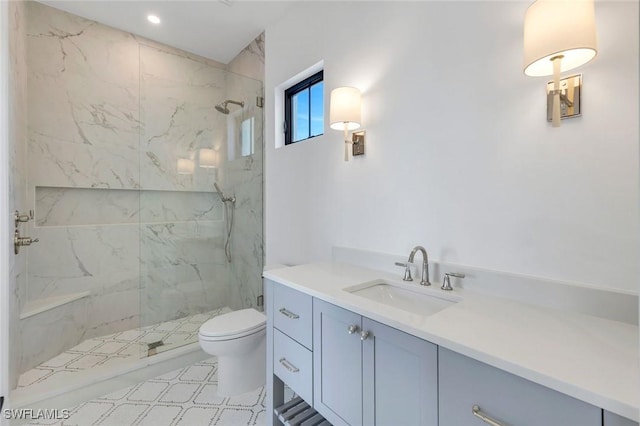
[408, 297]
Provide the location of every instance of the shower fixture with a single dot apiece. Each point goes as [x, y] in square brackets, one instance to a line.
[224, 199]
[229, 205]
[222, 107]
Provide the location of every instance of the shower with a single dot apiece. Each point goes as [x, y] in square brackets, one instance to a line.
[223, 108]
[229, 205]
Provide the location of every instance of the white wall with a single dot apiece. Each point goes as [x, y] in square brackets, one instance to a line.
[459, 155]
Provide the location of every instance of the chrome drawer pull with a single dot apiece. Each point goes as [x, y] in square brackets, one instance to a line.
[286, 364]
[352, 329]
[482, 416]
[288, 314]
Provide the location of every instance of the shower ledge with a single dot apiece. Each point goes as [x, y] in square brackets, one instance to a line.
[35, 307]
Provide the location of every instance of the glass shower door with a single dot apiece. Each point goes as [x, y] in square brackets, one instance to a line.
[187, 146]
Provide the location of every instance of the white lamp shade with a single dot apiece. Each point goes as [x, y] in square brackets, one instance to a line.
[186, 166]
[207, 158]
[345, 108]
[558, 27]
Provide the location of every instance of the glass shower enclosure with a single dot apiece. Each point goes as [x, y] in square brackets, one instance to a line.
[125, 142]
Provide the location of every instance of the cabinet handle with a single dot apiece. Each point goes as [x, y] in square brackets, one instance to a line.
[286, 364]
[482, 416]
[288, 314]
[352, 329]
[364, 335]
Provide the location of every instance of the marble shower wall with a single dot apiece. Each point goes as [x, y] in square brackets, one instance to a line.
[182, 260]
[250, 62]
[109, 115]
[17, 177]
[83, 130]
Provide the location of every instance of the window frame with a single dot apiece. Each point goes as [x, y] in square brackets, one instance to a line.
[289, 93]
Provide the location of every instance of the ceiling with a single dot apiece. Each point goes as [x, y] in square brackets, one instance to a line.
[216, 29]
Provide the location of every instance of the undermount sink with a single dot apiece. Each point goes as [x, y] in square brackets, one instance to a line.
[408, 297]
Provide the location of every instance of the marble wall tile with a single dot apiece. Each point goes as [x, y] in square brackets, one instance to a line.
[184, 269]
[177, 106]
[250, 62]
[88, 73]
[65, 164]
[75, 259]
[174, 291]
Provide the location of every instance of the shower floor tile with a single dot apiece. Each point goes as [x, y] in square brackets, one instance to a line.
[183, 397]
[116, 348]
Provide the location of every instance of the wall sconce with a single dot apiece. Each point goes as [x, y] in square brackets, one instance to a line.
[345, 114]
[207, 158]
[559, 35]
[186, 166]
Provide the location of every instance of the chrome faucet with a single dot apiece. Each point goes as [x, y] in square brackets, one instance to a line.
[424, 280]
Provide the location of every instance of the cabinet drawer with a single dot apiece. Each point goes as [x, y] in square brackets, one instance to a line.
[293, 364]
[505, 398]
[611, 419]
[292, 314]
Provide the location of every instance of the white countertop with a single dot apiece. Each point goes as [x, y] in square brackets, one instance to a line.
[592, 359]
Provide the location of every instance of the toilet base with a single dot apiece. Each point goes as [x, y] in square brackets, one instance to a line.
[244, 373]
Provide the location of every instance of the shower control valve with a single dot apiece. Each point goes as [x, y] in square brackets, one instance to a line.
[22, 218]
[19, 241]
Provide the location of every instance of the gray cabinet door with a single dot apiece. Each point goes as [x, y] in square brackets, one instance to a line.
[611, 419]
[337, 364]
[508, 399]
[400, 378]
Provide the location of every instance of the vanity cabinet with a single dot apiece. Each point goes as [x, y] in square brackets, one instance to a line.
[611, 419]
[465, 383]
[367, 373]
[292, 339]
[358, 372]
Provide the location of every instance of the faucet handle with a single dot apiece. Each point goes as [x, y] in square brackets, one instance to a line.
[446, 282]
[407, 270]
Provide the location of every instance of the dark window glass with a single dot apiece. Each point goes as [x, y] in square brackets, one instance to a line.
[304, 109]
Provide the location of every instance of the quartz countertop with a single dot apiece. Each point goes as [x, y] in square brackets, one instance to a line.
[592, 359]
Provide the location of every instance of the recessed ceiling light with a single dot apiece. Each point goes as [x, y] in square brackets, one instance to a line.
[153, 19]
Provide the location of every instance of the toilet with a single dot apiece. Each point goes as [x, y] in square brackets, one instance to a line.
[238, 340]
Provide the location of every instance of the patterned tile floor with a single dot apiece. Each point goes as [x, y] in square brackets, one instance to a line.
[184, 397]
[117, 348]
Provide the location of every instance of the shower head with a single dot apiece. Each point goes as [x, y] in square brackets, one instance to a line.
[222, 107]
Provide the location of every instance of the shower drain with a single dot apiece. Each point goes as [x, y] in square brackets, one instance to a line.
[152, 348]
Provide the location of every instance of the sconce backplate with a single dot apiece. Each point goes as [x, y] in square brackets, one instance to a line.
[570, 97]
[358, 142]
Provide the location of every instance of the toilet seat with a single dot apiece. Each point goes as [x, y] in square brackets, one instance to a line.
[233, 325]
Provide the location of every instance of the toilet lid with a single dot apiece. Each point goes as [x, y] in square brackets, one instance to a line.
[242, 322]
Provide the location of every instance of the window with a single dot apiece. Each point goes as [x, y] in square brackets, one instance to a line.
[304, 109]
